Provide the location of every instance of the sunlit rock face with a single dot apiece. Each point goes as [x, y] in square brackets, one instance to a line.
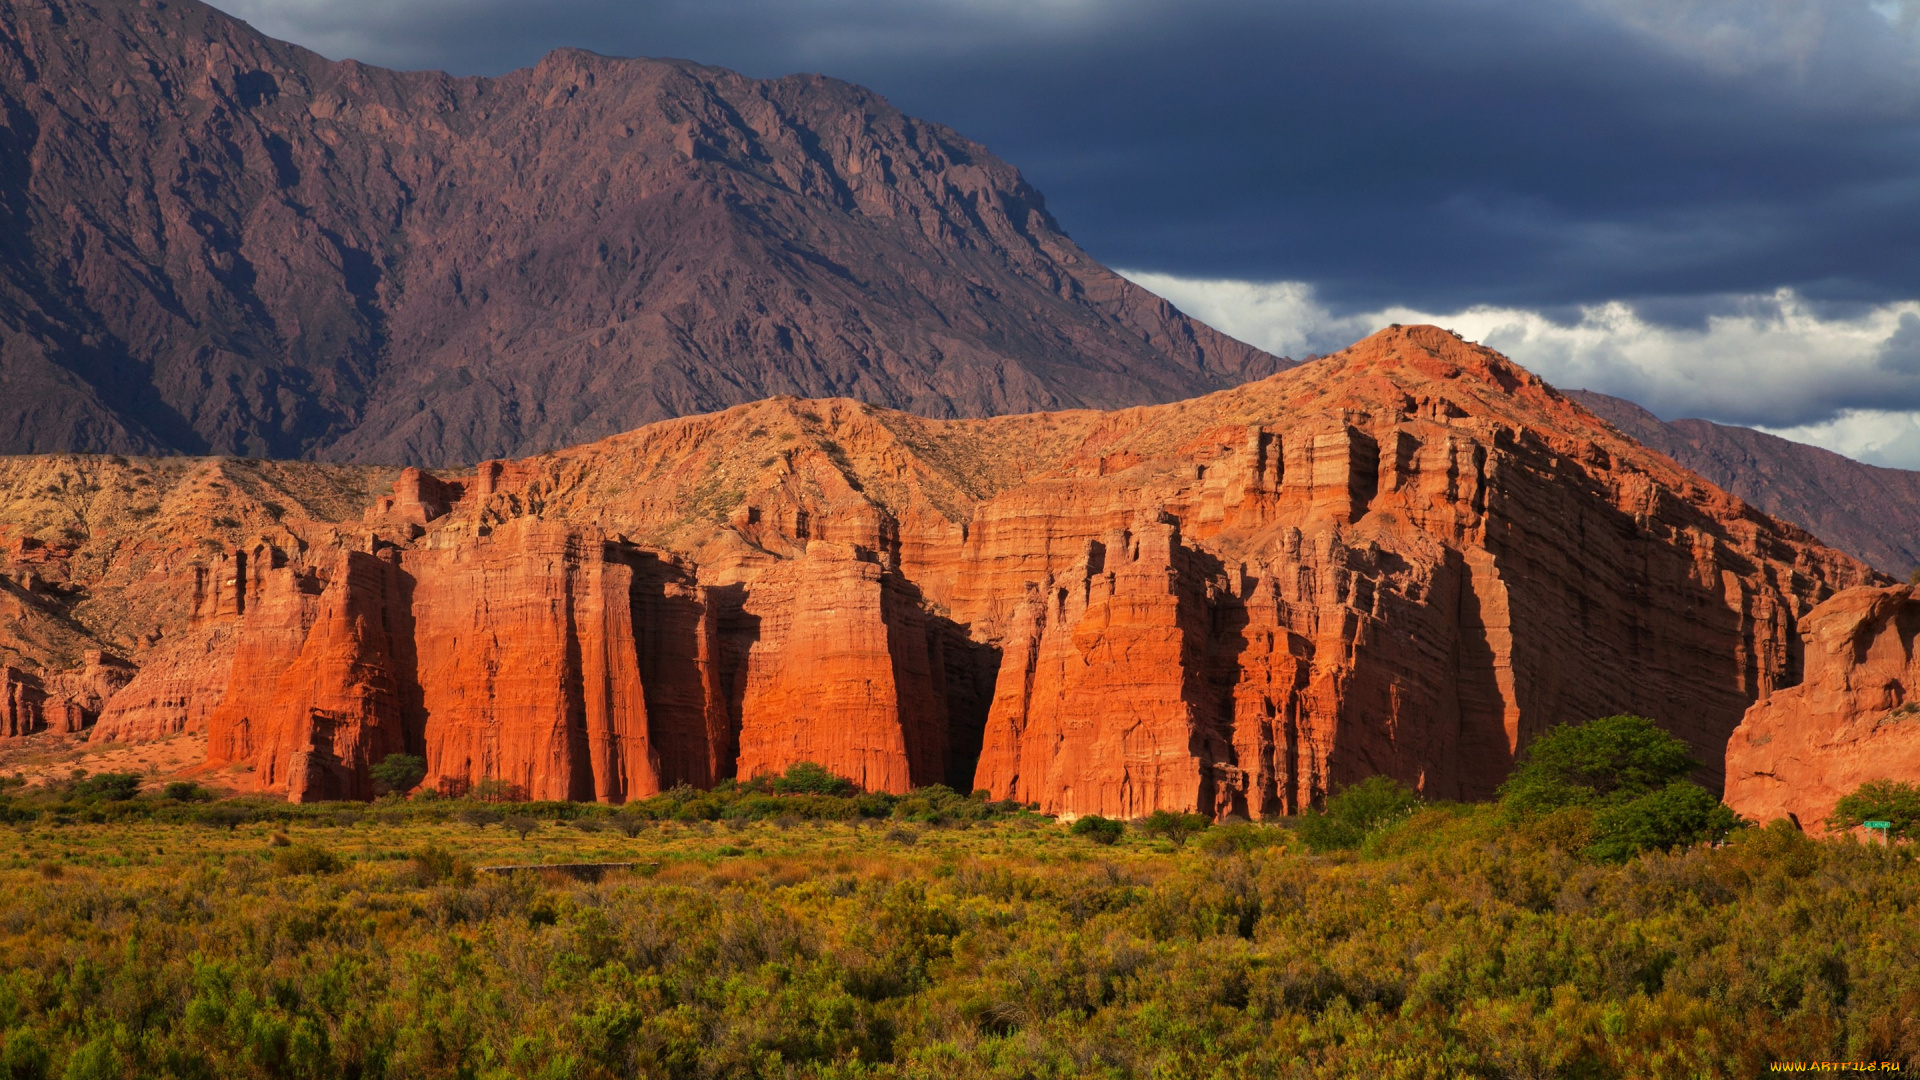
[1852, 719]
[1407, 558]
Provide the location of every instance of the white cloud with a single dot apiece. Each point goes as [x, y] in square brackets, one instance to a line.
[1849, 383]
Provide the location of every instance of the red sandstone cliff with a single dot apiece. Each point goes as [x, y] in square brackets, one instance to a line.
[1405, 558]
[1854, 718]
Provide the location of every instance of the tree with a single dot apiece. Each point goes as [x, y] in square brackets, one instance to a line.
[109, 786]
[1612, 759]
[494, 789]
[1100, 830]
[399, 772]
[1354, 812]
[1630, 774]
[1893, 801]
[1677, 814]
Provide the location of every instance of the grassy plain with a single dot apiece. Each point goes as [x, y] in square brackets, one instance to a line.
[234, 939]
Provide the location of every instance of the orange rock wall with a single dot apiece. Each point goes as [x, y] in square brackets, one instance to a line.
[528, 664]
[22, 703]
[1854, 718]
[1409, 559]
[840, 674]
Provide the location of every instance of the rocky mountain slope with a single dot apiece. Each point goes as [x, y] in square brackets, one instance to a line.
[1405, 558]
[1870, 512]
[213, 242]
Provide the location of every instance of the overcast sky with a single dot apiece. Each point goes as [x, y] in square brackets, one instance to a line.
[1709, 206]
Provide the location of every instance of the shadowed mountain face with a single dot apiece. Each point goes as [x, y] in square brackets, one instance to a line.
[211, 241]
[1864, 510]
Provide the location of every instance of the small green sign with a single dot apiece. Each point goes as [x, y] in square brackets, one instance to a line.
[1879, 824]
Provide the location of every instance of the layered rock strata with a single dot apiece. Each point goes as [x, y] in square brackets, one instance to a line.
[1408, 558]
[1854, 718]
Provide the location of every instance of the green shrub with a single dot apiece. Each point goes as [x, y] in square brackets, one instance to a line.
[1357, 811]
[1679, 814]
[494, 789]
[1167, 825]
[1241, 837]
[23, 1056]
[185, 791]
[807, 778]
[1630, 774]
[433, 864]
[305, 859]
[1098, 829]
[398, 772]
[1893, 801]
[478, 816]
[223, 816]
[108, 787]
[1612, 759]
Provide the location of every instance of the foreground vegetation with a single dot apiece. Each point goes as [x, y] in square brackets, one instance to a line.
[813, 931]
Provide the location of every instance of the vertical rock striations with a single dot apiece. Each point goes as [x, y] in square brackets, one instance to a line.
[529, 663]
[1854, 718]
[1407, 559]
[840, 674]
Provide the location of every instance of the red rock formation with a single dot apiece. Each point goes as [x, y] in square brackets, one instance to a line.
[840, 674]
[340, 706]
[252, 714]
[175, 692]
[1853, 718]
[1103, 702]
[1407, 558]
[22, 703]
[1415, 588]
[566, 664]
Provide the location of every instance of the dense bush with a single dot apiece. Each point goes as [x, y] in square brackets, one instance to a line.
[399, 772]
[1354, 813]
[1629, 774]
[108, 786]
[1598, 763]
[1678, 814]
[1893, 801]
[305, 859]
[807, 778]
[1167, 825]
[1098, 829]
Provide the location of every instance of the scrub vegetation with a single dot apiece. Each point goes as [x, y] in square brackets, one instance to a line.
[798, 928]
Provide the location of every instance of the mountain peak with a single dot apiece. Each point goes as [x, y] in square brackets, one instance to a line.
[241, 247]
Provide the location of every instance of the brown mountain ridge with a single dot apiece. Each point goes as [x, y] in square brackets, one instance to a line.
[1406, 558]
[214, 242]
[1868, 511]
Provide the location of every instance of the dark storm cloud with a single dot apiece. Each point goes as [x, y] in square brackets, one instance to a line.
[1435, 153]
